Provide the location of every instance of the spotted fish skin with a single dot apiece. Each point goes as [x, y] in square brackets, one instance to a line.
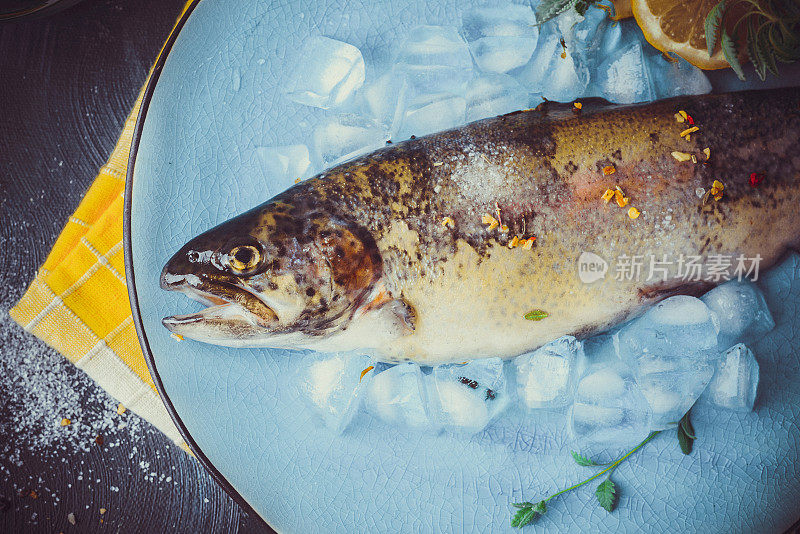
[412, 270]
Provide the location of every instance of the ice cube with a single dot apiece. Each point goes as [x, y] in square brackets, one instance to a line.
[585, 36]
[741, 310]
[344, 137]
[553, 71]
[735, 380]
[385, 99]
[331, 383]
[623, 77]
[325, 72]
[671, 350]
[676, 77]
[468, 396]
[545, 378]
[431, 113]
[672, 384]
[681, 321]
[283, 165]
[398, 396]
[434, 59]
[494, 94]
[609, 414]
[500, 38]
[599, 349]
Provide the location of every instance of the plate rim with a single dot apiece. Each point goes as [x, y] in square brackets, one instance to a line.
[141, 335]
[194, 448]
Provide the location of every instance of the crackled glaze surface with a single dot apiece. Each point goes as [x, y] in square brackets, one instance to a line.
[215, 103]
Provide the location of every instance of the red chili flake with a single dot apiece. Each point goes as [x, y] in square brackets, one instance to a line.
[99, 440]
[690, 120]
[756, 178]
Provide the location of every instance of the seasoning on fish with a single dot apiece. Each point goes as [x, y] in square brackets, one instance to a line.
[365, 371]
[355, 257]
[688, 131]
[756, 178]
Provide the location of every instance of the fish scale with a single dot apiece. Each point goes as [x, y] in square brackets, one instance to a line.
[359, 258]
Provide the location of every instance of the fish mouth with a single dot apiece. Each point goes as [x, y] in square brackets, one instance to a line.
[233, 313]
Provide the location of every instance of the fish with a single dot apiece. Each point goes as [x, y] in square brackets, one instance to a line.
[468, 243]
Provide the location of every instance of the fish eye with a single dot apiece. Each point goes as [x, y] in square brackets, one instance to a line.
[244, 258]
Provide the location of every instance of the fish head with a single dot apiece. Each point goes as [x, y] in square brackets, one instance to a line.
[275, 276]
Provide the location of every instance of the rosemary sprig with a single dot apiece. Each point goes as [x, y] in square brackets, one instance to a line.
[771, 30]
[606, 492]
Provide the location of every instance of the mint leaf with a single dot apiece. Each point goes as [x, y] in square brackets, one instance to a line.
[687, 426]
[731, 54]
[607, 495]
[525, 504]
[712, 23]
[541, 507]
[536, 315]
[523, 517]
[684, 442]
[686, 434]
[581, 460]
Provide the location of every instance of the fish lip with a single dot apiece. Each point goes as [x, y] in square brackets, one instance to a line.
[201, 288]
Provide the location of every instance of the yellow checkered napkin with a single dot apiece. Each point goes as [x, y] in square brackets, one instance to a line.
[78, 302]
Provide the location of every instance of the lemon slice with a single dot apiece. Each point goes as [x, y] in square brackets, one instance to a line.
[678, 26]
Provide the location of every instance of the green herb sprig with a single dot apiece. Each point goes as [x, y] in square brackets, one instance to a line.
[771, 27]
[606, 492]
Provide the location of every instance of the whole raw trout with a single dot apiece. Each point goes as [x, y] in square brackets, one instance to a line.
[436, 249]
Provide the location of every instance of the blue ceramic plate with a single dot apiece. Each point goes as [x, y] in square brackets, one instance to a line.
[213, 101]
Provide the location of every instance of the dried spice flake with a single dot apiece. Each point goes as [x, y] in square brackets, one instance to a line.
[448, 222]
[756, 178]
[608, 195]
[707, 152]
[65, 422]
[578, 105]
[491, 221]
[365, 371]
[633, 213]
[681, 156]
[688, 131]
[608, 170]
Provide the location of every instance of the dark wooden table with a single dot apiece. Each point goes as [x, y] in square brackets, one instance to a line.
[67, 83]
